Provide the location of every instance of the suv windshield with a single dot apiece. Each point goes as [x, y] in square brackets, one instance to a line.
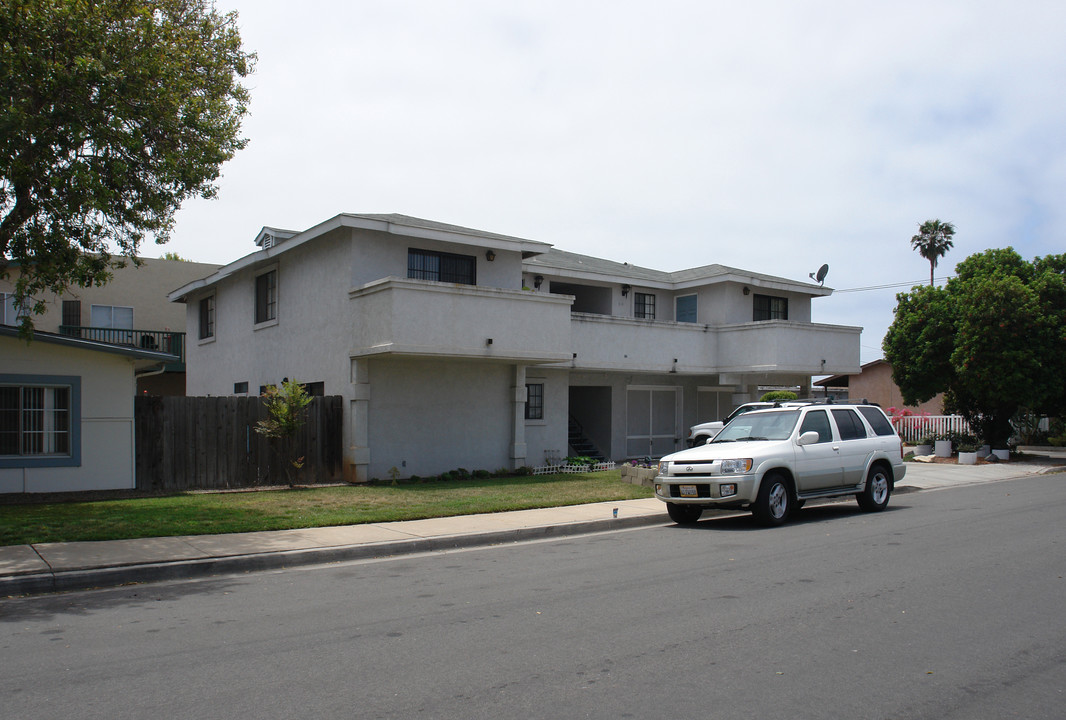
[763, 425]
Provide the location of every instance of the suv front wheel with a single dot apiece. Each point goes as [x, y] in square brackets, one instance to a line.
[683, 514]
[774, 503]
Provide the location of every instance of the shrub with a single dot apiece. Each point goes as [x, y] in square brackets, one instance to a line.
[778, 395]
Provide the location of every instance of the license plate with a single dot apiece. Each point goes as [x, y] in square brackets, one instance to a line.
[688, 491]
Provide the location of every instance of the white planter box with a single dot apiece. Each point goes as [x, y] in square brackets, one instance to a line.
[1002, 454]
[923, 450]
[984, 451]
[967, 458]
[943, 448]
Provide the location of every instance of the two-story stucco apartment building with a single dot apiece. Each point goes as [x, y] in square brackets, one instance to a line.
[460, 348]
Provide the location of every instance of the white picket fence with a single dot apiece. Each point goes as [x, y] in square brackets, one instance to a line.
[912, 428]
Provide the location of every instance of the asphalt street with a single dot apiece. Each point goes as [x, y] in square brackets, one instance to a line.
[947, 605]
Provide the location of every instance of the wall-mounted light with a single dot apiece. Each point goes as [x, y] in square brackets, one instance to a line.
[490, 255]
[747, 291]
[488, 341]
[538, 281]
[625, 290]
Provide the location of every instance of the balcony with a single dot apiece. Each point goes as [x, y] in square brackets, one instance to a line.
[775, 347]
[166, 341]
[417, 317]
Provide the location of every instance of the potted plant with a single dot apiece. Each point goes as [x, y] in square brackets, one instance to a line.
[942, 446]
[967, 453]
[925, 445]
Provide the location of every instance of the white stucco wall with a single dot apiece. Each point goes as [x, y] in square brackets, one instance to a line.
[428, 416]
[107, 430]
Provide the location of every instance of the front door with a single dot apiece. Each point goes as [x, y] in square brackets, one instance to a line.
[652, 422]
[819, 465]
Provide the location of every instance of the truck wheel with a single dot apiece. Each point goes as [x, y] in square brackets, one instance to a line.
[875, 496]
[774, 503]
[684, 514]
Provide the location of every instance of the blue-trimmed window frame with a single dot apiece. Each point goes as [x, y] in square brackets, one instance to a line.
[73, 457]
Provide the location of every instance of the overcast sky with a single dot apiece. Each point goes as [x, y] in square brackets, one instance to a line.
[769, 135]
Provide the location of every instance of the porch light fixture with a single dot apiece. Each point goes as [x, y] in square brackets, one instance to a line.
[625, 290]
[538, 281]
[490, 255]
[747, 291]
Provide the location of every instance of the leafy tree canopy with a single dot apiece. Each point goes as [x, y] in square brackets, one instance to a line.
[113, 113]
[993, 339]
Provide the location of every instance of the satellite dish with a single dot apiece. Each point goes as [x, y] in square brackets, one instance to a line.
[819, 276]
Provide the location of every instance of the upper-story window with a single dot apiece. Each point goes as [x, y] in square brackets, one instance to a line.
[769, 307]
[644, 305]
[266, 296]
[207, 317]
[10, 313]
[685, 309]
[111, 316]
[442, 267]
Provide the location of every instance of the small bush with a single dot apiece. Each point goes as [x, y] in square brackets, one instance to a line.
[778, 395]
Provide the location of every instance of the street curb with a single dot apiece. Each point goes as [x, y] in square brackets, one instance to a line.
[109, 577]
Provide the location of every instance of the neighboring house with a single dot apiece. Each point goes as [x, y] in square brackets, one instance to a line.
[874, 382]
[131, 309]
[460, 348]
[66, 412]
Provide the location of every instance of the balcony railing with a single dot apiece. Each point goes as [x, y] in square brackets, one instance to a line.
[166, 341]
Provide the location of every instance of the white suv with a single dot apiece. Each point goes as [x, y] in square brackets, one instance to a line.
[772, 461]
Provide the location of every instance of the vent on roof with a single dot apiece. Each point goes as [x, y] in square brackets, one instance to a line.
[268, 237]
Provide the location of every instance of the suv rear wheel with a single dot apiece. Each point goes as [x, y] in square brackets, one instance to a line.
[875, 496]
[774, 503]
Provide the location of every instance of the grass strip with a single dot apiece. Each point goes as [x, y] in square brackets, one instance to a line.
[233, 512]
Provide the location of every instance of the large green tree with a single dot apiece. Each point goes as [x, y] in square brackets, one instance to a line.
[993, 340]
[113, 113]
[933, 241]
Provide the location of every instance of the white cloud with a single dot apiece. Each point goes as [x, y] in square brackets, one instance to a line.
[767, 135]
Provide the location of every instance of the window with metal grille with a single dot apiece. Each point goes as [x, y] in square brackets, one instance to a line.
[72, 313]
[644, 306]
[441, 267]
[266, 296]
[535, 401]
[207, 317]
[34, 420]
[768, 307]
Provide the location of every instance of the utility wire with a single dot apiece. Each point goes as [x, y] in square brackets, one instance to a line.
[891, 285]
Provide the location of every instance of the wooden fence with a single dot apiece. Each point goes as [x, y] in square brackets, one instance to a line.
[188, 443]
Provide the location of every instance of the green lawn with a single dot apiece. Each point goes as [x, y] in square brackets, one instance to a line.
[211, 513]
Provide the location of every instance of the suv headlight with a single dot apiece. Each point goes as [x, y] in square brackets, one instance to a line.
[741, 465]
[664, 468]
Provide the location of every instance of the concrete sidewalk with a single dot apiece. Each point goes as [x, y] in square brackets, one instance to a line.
[53, 567]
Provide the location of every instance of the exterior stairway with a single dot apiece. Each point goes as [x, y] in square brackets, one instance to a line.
[579, 443]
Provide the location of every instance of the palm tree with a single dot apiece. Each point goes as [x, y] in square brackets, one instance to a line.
[933, 242]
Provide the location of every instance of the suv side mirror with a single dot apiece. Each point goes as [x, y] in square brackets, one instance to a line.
[809, 438]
